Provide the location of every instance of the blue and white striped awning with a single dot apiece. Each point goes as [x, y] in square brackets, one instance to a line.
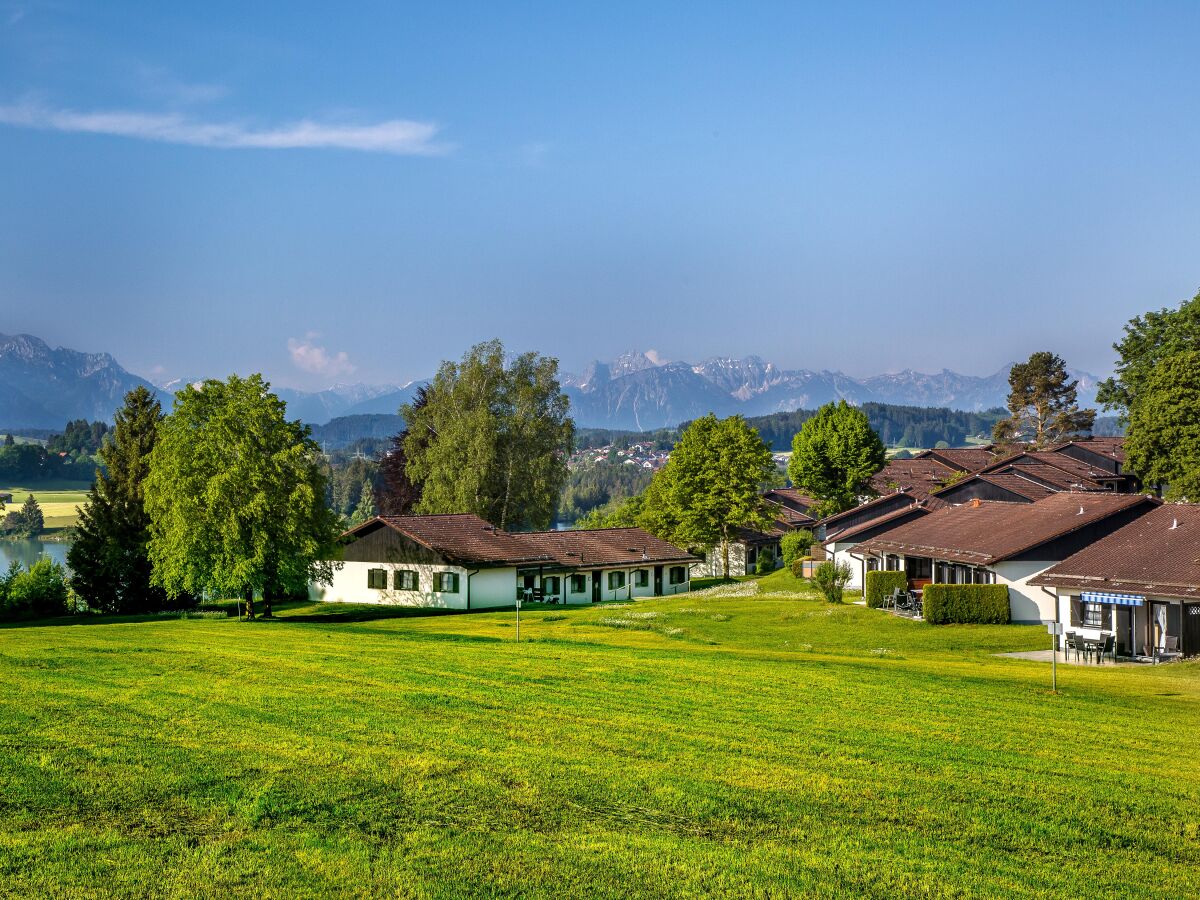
[1115, 599]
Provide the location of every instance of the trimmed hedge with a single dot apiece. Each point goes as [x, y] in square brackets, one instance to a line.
[961, 604]
[880, 585]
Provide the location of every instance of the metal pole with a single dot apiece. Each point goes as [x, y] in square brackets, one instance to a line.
[1054, 664]
[518, 620]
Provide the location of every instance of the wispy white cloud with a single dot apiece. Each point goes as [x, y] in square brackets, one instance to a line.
[309, 357]
[160, 84]
[398, 136]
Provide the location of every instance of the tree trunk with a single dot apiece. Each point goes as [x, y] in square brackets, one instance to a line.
[725, 554]
[249, 598]
[266, 603]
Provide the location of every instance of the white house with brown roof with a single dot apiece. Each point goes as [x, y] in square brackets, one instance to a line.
[991, 542]
[463, 562]
[791, 511]
[1140, 584]
[841, 533]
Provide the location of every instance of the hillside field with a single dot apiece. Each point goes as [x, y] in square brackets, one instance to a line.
[59, 500]
[769, 746]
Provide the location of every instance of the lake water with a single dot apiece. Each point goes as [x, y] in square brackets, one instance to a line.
[28, 552]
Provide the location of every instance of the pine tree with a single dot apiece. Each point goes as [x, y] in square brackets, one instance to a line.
[31, 520]
[9, 440]
[1042, 404]
[109, 556]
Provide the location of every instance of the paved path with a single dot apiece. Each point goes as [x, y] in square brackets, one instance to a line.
[1044, 656]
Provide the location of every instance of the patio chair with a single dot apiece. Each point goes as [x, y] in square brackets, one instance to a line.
[1079, 645]
[894, 599]
[1068, 642]
[1169, 649]
[1109, 647]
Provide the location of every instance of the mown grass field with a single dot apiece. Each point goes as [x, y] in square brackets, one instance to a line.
[766, 746]
[59, 500]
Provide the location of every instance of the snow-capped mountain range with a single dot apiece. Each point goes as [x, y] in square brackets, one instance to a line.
[638, 391]
[42, 387]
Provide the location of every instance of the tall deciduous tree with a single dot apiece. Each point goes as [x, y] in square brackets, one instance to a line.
[1042, 404]
[711, 486]
[492, 439]
[1163, 445]
[834, 456]
[236, 496]
[109, 558]
[1149, 339]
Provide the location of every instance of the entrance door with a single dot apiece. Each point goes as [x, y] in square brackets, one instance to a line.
[658, 570]
[1124, 631]
[595, 587]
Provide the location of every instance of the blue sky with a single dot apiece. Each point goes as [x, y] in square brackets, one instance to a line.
[352, 193]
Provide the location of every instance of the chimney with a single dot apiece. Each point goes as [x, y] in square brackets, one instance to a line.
[976, 503]
[1080, 513]
[1174, 524]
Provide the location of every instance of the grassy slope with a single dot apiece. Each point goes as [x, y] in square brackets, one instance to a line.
[57, 498]
[690, 745]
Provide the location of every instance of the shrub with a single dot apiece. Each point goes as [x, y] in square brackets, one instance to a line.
[41, 591]
[982, 604]
[798, 565]
[880, 585]
[830, 579]
[794, 544]
[766, 562]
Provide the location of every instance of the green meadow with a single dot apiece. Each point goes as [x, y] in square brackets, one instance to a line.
[768, 745]
[58, 499]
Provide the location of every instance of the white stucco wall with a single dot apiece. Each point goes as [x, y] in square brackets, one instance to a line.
[840, 553]
[714, 562]
[489, 587]
[1027, 603]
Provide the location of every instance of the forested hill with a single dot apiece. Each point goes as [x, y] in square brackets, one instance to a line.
[898, 426]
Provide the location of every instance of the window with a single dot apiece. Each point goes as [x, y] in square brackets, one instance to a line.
[918, 567]
[616, 580]
[405, 580]
[446, 582]
[377, 579]
[1093, 615]
[578, 584]
[550, 586]
[641, 578]
[677, 575]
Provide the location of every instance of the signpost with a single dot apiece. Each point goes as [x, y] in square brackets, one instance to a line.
[1055, 629]
[519, 615]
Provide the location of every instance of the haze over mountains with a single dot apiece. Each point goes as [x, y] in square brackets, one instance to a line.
[41, 387]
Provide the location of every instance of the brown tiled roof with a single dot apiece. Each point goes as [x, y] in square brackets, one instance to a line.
[1111, 447]
[791, 498]
[1056, 468]
[899, 516]
[886, 500]
[461, 536]
[965, 459]
[918, 476]
[605, 547]
[469, 539]
[989, 531]
[1156, 554]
